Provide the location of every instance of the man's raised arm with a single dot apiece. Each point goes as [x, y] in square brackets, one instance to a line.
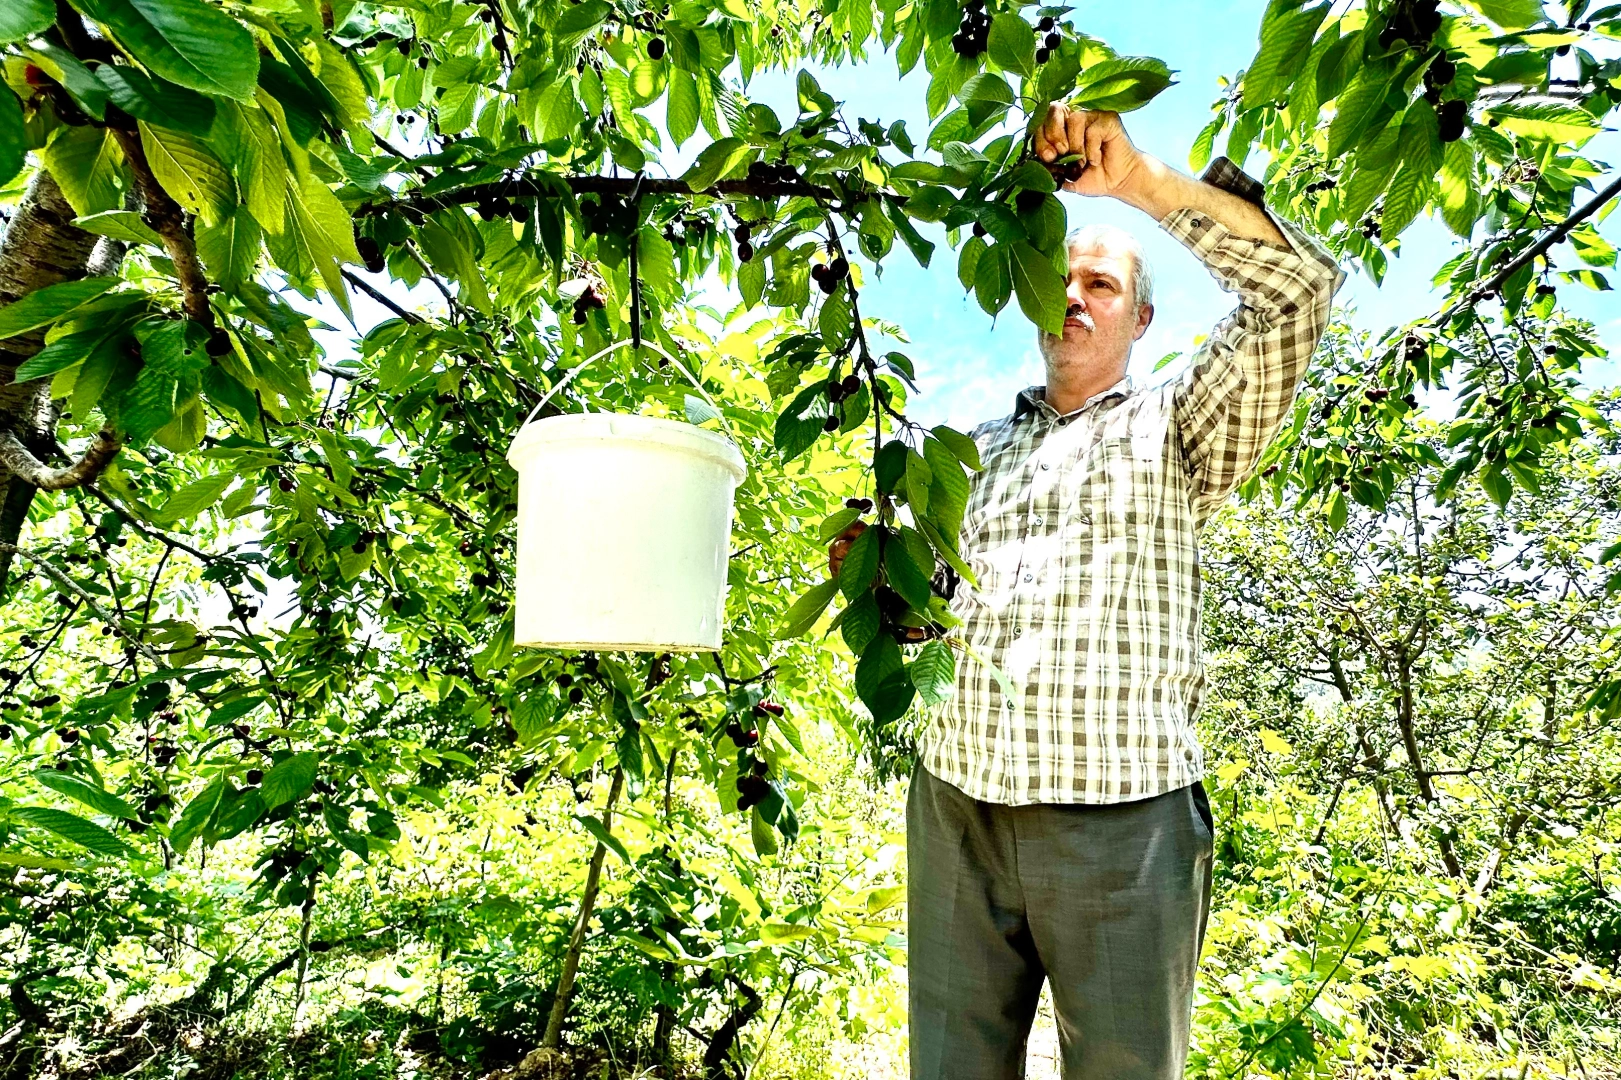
[1242, 383]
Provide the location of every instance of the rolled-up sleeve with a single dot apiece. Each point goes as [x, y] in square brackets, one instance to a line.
[1242, 382]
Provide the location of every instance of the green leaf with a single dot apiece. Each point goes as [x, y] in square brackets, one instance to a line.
[155, 100]
[1421, 144]
[250, 141]
[125, 225]
[230, 250]
[45, 306]
[596, 828]
[196, 815]
[716, 160]
[321, 230]
[189, 172]
[698, 410]
[681, 106]
[1356, 106]
[1510, 14]
[185, 41]
[13, 136]
[1460, 196]
[835, 321]
[860, 564]
[934, 672]
[70, 827]
[172, 355]
[993, 279]
[882, 682]
[922, 249]
[859, 622]
[807, 609]
[1121, 84]
[290, 779]
[88, 166]
[1013, 44]
[103, 802]
[1205, 142]
[948, 492]
[1040, 289]
[22, 19]
[968, 260]
[905, 577]
[1408, 194]
[655, 262]
[964, 448]
[1285, 36]
[1557, 123]
[59, 355]
[948, 552]
[795, 432]
[579, 20]
[835, 523]
[194, 498]
[984, 96]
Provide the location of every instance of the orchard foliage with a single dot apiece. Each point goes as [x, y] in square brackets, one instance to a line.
[193, 182]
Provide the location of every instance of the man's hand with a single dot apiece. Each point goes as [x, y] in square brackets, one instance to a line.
[1111, 162]
[840, 547]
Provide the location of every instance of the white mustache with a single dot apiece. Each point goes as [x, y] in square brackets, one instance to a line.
[1077, 313]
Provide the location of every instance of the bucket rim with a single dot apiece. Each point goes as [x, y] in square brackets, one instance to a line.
[600, 426]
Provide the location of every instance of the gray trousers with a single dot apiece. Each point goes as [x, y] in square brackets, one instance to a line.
[1107, 902]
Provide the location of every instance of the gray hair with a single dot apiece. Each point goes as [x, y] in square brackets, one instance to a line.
[1142, 275]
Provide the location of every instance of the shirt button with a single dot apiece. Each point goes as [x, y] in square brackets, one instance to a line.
[1045, 466]
[1010, 705]
[1036, 520]
[1017, 630]
[1029, 577]
[1196, 222]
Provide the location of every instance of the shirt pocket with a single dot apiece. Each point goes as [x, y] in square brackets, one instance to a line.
[1102, 506]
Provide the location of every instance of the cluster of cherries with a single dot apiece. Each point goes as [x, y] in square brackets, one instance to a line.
[1415, 23]
[491, 207]
[828, 275]
[1049, 26]
[974, 35]
[609, 214]
[752, 785]
[585, 303]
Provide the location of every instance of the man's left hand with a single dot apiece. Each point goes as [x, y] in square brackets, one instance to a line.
[1112, 162]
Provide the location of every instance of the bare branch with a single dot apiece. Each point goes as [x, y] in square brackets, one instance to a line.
[26, 467]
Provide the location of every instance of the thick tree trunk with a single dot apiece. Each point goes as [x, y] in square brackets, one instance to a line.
[576, 943]
[41, 247]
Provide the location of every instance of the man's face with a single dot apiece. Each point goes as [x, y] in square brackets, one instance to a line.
[1103, 318]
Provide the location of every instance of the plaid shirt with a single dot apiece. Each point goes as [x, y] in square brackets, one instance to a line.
[1082, 533]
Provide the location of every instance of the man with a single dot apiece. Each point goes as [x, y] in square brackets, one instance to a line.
[1062, 833]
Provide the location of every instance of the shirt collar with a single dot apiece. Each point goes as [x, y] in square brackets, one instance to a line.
[1034, 399]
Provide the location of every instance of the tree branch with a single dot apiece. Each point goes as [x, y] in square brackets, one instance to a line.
[169, 222]
[26, 467]
[1556, 234]
[96, 609]
[522, 187]
[381, 297]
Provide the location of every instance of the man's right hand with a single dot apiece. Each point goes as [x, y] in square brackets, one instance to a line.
[840, 547]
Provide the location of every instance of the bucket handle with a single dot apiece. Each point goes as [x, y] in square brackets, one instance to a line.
[619, 345]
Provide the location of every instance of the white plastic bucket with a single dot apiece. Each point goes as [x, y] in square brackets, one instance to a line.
[624, 528]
